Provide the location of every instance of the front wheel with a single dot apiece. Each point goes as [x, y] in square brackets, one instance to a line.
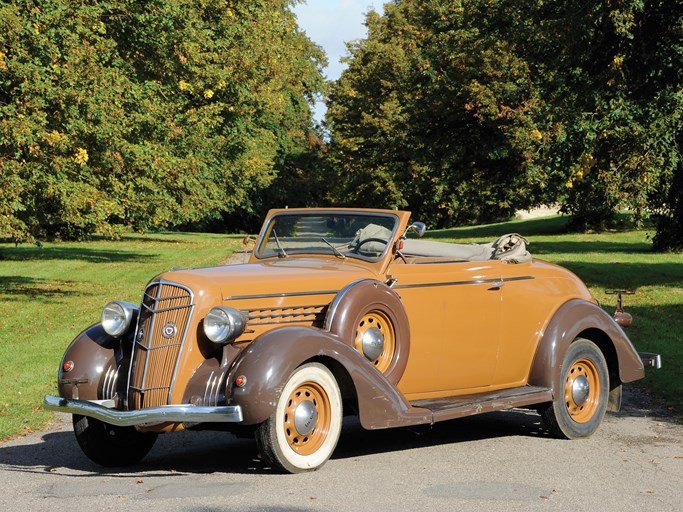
[109, 445]
[584, 393]
[303, 431]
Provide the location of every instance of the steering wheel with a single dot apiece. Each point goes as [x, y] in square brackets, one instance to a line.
[368, 240]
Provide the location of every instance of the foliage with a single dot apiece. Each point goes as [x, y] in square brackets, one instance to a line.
[437, 114]
[166, 113]
[145, 114]
[670, 221]
[466, 110]
[304, 178]
[611, 75]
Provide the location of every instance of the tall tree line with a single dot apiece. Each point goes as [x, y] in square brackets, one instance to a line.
[119, 113]
[467, 110]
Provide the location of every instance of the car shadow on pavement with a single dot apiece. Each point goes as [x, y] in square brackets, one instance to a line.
[181, 452]
[356, 441]
[190, 452]
[209, 452]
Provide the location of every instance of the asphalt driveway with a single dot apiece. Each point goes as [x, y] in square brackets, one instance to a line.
[495, 462]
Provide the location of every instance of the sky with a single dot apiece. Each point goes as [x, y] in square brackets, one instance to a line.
[332, 23]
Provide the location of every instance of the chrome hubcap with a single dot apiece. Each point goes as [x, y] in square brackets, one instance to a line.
[373, 343]
[305, 417]
[580, 390]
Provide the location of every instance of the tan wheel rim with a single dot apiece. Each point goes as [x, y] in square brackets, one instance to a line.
[314, 394]
[380, 321]
[581, 374]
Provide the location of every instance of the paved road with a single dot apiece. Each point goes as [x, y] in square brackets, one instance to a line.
[495, 462]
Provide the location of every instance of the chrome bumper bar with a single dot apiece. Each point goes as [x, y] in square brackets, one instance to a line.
[152, 416]
[650, 359]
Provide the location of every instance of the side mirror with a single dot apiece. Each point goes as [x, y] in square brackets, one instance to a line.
[419, 228]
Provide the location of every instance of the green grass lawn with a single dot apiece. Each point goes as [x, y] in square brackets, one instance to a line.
[48, 295]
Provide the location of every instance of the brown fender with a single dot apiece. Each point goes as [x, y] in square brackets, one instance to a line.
[356, 299]
[92, 353]
[580, 318]
[270, 359]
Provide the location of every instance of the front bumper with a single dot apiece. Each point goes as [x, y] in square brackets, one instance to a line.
[152, 416]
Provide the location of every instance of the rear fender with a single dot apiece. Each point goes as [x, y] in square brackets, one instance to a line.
[580, 318]
[270, 359]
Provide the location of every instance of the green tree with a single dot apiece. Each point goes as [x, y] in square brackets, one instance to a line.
[610, 73]
[438, 113]
[467, 110]
[146, 114]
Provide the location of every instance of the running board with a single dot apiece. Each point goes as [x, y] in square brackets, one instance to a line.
[467, 405]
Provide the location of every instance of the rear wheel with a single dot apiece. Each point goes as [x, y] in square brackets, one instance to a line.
[303, 431]
[109, 445]
[582, 399]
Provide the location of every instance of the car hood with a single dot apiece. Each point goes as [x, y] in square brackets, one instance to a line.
[272, 277]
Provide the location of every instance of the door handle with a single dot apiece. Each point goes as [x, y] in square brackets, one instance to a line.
[497, 285]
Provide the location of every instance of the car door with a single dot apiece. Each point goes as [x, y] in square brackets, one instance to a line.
[454, 312]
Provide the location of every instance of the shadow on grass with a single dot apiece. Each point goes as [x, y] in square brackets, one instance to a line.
[157, 238]
[180, 237]
[23, 253]
[589, 246]
[627, 276]
[22, 288]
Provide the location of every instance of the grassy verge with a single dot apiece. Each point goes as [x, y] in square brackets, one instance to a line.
[48, 295]
[614, 260]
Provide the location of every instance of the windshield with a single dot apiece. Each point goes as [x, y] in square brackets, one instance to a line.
[342, 234]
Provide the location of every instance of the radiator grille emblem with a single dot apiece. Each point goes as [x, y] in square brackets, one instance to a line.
[169, 331]
[141, 334]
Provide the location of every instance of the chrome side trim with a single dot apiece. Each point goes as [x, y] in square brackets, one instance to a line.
[152, 416]
[338, 292]
[446, 283]
[519, 278]
[279, 295]
[459, 283]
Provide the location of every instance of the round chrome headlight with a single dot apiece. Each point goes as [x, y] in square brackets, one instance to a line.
[118, 316]
[222, 324]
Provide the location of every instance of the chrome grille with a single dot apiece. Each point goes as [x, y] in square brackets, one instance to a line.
[162, 327]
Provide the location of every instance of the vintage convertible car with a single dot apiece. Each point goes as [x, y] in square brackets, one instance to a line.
[343, 311]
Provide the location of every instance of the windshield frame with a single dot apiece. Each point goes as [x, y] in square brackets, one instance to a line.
[275, 244]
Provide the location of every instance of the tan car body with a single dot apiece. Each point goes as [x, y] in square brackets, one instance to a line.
[468, 337]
